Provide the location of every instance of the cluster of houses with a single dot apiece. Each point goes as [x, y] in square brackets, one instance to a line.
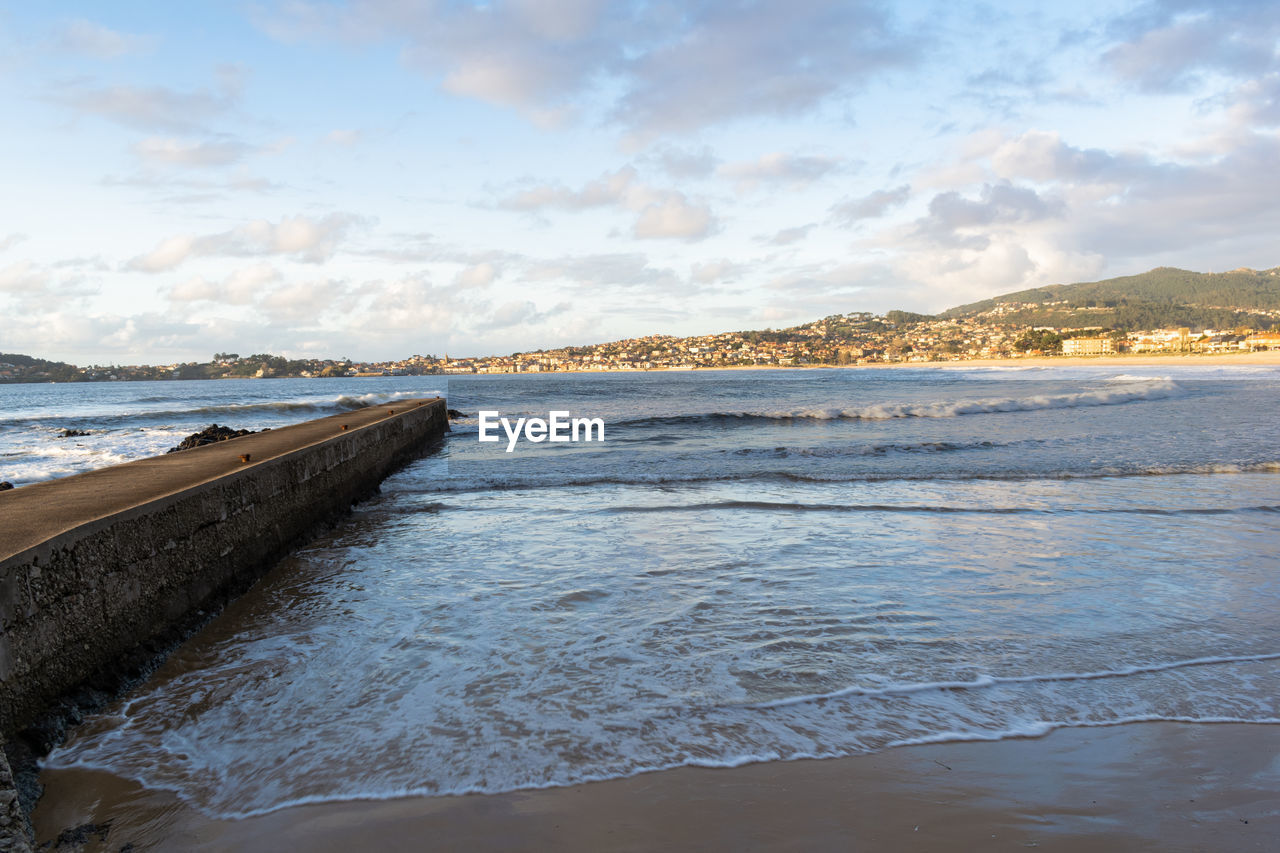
[854, 338]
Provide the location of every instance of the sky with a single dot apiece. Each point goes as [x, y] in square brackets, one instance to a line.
[378, 178]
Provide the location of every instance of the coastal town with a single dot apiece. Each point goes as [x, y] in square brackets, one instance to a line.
[857, 338]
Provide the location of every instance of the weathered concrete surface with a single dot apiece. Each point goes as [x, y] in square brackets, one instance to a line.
[94, 565]
[14, 831]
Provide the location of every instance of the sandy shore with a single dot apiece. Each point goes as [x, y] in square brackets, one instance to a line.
[1144, 786]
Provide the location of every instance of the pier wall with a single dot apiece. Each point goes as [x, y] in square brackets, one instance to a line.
[95, 590]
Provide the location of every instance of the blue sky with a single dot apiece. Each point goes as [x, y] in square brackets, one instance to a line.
[380, 178]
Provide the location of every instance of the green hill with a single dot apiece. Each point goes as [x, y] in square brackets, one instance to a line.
[1163, 297]
[26, 368]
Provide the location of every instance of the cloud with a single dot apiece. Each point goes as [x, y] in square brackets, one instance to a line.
[662, 69]
[166, 255]
[956, 221]
[311, 240]
[684, 162]
[870, 206]
[152, 108]
[605, 191]
[409, 304]
[742, 59]
[23, 277]
[605, 271]
[175, 152]
[518, 313]
[709, 272]
[188, 190]
[1048, 211]
[345, 138]
[789, 236]
[302, 303]
[94, 40]
[1256, 103]
[659, 213]
[263, 289]
[11, 240]
[779, 168]
[477, 275]
[673, 216]
[242, 287]
[1171, 45]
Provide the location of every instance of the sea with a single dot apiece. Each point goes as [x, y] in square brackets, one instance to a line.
[752, 566]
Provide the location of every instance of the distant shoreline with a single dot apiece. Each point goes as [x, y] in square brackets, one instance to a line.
[1261, 358]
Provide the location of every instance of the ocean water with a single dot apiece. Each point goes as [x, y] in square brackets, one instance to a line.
[753, 566]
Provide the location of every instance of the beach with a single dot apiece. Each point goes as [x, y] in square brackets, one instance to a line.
[801, 609]
[1142, 786]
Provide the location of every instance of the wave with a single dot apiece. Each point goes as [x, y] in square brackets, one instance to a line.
[454, 483]
[984, 681]
[1028, 729]
[916, 508]
[878, 449]
[941, 409]
[344, 402]
[1041, 728]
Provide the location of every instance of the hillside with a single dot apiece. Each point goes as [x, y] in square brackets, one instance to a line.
[15, 367]
[1163, 297]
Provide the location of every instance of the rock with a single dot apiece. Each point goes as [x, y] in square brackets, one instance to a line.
[454, 414]
[72, 433]
[5, 485]
[210, 435]
[77, 838]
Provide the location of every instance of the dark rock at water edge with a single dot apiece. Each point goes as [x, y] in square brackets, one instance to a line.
[5, 485]
[72, 433]
[211, 434]
[454, 414]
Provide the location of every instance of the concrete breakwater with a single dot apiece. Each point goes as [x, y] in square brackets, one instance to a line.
[96, 566]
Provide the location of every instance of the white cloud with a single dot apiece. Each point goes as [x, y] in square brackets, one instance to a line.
[870, 206]
[1174, 45]
[243, 287]
[781, 168]
[302, 303]
[168, 254]
[660, 213]
[11, 240]
[609, 271]
[91, 39]
[672, 216]
[709, 272]
[670, 69]
[477, 275]
[684, 162]
[176, 152]
[789, 236]
[311, 240]
[150, 108]
[23, 277]
[344, 138]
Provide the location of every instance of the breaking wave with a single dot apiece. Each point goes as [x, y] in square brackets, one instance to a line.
[943, 409]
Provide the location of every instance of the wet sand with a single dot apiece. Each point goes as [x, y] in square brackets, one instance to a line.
[1142, 786]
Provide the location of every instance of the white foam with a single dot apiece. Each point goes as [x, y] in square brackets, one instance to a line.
[1134, 392]
[992, 680]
